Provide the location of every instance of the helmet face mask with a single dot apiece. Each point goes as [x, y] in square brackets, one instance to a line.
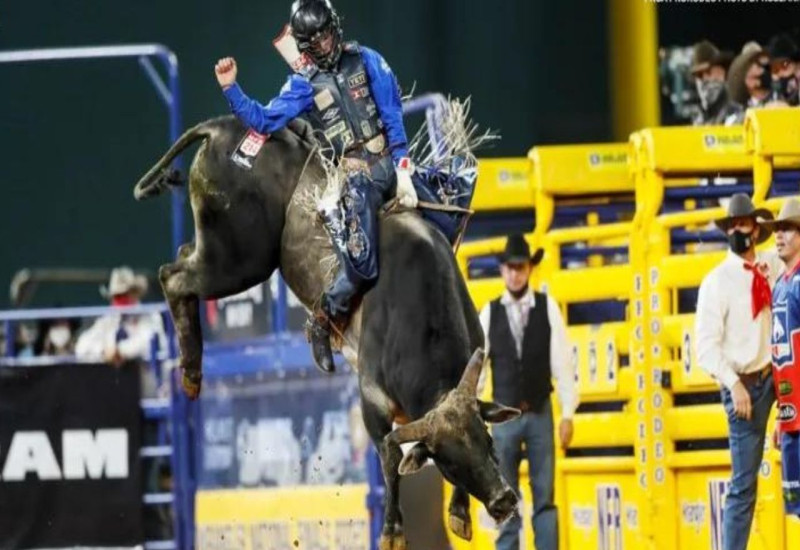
[317, 30]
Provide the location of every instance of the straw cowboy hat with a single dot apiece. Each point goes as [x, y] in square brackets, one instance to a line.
[740, 206]
[738, 70]
[790, 213]
[519, 252]
[122, 281]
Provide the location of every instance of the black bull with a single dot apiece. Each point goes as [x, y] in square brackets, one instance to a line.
[417, 324]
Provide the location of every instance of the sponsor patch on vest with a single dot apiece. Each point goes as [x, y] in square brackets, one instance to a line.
[330, 114]
[784, 387]
[358, 79]
[248, 149]
[335, 130]
[366, 129]
[359, 93]
[323, 100]
[787, 412]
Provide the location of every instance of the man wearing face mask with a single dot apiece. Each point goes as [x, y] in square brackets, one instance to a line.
[784, 56]
[526, 342]
[732, 333]
[709, 66]
[749, 80]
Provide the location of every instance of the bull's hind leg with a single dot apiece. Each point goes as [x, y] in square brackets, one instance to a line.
[180, 284]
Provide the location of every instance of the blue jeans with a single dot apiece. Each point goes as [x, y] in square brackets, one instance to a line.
[535, 429]
[746, 438]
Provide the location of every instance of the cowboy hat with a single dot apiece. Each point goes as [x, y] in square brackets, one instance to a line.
[122, 281]
[706, 55]
[738, 71]
[740, 206]
[519, 252]
[789, 214]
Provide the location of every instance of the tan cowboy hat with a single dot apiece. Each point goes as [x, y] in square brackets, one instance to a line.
[738, 71]
[122, 281]
[790, 213]
[740, 206]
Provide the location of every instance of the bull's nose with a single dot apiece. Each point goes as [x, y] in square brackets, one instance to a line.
[504, 506]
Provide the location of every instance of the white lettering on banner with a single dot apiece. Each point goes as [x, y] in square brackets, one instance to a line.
[83, 455]
[30, 452]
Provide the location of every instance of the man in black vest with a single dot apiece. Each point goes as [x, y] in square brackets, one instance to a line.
[351, 98]
[527, 346]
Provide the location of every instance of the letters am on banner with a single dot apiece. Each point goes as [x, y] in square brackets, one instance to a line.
[69, 457]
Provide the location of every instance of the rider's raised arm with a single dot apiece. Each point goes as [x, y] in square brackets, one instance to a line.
[296, 97]
[386, 93]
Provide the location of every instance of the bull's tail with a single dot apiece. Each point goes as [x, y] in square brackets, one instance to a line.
[160, 178]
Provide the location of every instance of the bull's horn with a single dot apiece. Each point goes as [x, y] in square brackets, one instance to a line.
[417, 430]
[469, 380]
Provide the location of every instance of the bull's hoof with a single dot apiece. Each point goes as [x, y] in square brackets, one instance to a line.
[392, 542]
[461, 527]
[192, 383]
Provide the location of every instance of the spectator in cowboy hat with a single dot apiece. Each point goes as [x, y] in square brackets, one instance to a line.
[733, 345]
[749, 79]
[526, 342]
[118, 337]
[709, 66]
[784, 56]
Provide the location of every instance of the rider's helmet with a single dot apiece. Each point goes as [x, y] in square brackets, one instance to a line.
[317, 29]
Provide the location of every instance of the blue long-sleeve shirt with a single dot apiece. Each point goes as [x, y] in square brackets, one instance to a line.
[297, 96]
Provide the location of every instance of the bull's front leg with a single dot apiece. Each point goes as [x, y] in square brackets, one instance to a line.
[378, 417]
[459, 519]
[392, 537]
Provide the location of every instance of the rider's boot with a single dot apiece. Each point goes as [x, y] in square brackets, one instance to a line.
[318, 331]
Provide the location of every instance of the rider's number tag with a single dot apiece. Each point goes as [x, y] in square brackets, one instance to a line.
[248, 148]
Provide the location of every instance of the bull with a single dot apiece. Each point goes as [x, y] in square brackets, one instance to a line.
[411, 340]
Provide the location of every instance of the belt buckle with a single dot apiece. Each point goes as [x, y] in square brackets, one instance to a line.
[376, 145]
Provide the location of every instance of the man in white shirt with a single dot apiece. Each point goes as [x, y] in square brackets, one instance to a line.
[527, 345]
[732, 331]
[116, 338]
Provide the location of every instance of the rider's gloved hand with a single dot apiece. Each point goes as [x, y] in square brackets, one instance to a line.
[406, 194]
[226, 70]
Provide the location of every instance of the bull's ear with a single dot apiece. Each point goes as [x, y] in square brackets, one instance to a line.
[414, 459]
[495, 413]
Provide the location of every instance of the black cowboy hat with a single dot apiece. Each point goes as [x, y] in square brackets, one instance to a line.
[518, 252]
[706, 55]
[741, 206]
[781, 46]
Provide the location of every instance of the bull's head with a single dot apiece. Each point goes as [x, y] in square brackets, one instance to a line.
[454, 435]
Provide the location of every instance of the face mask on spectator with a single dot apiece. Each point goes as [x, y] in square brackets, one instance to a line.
[123, 300]
[709, 91]
[740, 242]
[786, 89]
[766, 77]
[59, 336]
